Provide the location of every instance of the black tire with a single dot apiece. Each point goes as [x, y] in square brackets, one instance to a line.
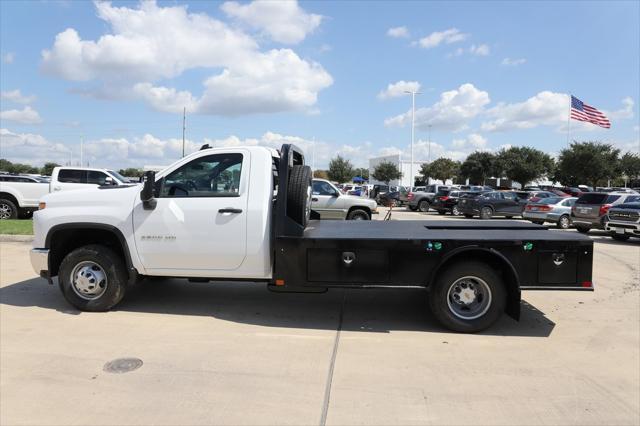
[468, 216]
[424, 205]
[564, 222]
[8, 209]
[583, 229]
[439, 296]
[111, 264]
[486, 212]
[620, 237]
[442, 212]
[413, 208]
[538, 222]
[299, 194]
[358, 214]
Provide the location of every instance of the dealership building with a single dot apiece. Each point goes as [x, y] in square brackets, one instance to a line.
[403, 166]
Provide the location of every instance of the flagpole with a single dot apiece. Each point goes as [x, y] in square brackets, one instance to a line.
[569, 121]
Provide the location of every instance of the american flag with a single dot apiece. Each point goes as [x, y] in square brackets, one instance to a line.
[583, 112]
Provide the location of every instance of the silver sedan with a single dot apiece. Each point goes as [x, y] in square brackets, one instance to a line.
[553, 209]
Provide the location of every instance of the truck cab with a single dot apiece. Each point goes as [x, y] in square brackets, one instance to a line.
[66, 178]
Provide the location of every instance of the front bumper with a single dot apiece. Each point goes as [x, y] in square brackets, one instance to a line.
[623, 228]
[40, 261]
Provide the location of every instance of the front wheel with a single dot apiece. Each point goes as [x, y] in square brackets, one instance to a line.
[358, 214]
[93, 278]
[619, 237]
[564, 222]
[8, 209]
[583, 229]
[468, 297]
[486, 213]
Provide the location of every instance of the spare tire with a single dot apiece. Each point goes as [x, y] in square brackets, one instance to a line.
[299, 194]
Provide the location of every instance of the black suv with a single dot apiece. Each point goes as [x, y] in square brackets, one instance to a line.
[496, 203]
[446, 200]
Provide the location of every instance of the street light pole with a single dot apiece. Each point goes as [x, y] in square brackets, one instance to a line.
[413, 125]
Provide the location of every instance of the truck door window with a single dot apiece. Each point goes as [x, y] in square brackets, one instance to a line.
[322, 188]
[72, 176]
[95, 177]
[211, 176]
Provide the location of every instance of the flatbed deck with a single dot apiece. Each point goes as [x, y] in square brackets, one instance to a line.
[476, 230]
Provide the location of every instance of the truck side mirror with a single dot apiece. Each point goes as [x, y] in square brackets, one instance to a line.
[110, 181]
[146, 195]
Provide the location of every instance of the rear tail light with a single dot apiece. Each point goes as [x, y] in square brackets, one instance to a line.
[410, 196]
[604, 209]
[443, 198]
[544, 208]
[586, 284]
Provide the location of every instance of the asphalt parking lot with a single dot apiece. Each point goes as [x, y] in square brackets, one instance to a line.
[234, 353]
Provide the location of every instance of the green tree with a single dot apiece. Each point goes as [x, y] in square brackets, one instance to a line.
[386, 172]
[131, 172]
[587, 163]
[47, 169]
[8, 166]
[524, 164]
[320, 174]
[340, 170]
[362, 172]
[479, 166]
[441, 169]
[630, 165]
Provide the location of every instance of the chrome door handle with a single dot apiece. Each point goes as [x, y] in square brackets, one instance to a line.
[230, 210]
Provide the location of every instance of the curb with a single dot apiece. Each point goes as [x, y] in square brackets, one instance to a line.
[6, 238]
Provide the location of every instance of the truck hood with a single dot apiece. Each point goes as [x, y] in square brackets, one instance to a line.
[362, 200]
[95, 196]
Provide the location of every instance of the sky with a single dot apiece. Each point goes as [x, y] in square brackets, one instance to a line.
[329, 76]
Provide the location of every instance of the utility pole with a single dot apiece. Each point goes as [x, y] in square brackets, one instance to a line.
[413, 125]
[429, 151]
[184, 121]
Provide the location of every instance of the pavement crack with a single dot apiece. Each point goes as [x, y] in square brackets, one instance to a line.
[332, 363]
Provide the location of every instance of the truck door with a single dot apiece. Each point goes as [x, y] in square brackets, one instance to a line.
[325, 200]
[200, 219]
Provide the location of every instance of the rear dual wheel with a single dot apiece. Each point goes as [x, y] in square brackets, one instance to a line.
[468, 297]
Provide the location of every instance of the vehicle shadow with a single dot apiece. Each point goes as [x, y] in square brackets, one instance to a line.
[371, 310]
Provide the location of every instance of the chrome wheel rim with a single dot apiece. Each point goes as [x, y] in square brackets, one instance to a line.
[88, 280]
[5, 211]
[564, 222]
[469, 298]
[486, 212]
[455, 211]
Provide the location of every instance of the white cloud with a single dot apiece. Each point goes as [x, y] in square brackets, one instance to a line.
[625, 112]
[8, 58]
[452, 35]
[452, 112]
[282, 21]
[398, 32]
[545, 109]
[474, 141]
[397, 89]
[513, 62]
[480, 50]
[152, 43]
[17, 97]
[31, 148]
[27, 115]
